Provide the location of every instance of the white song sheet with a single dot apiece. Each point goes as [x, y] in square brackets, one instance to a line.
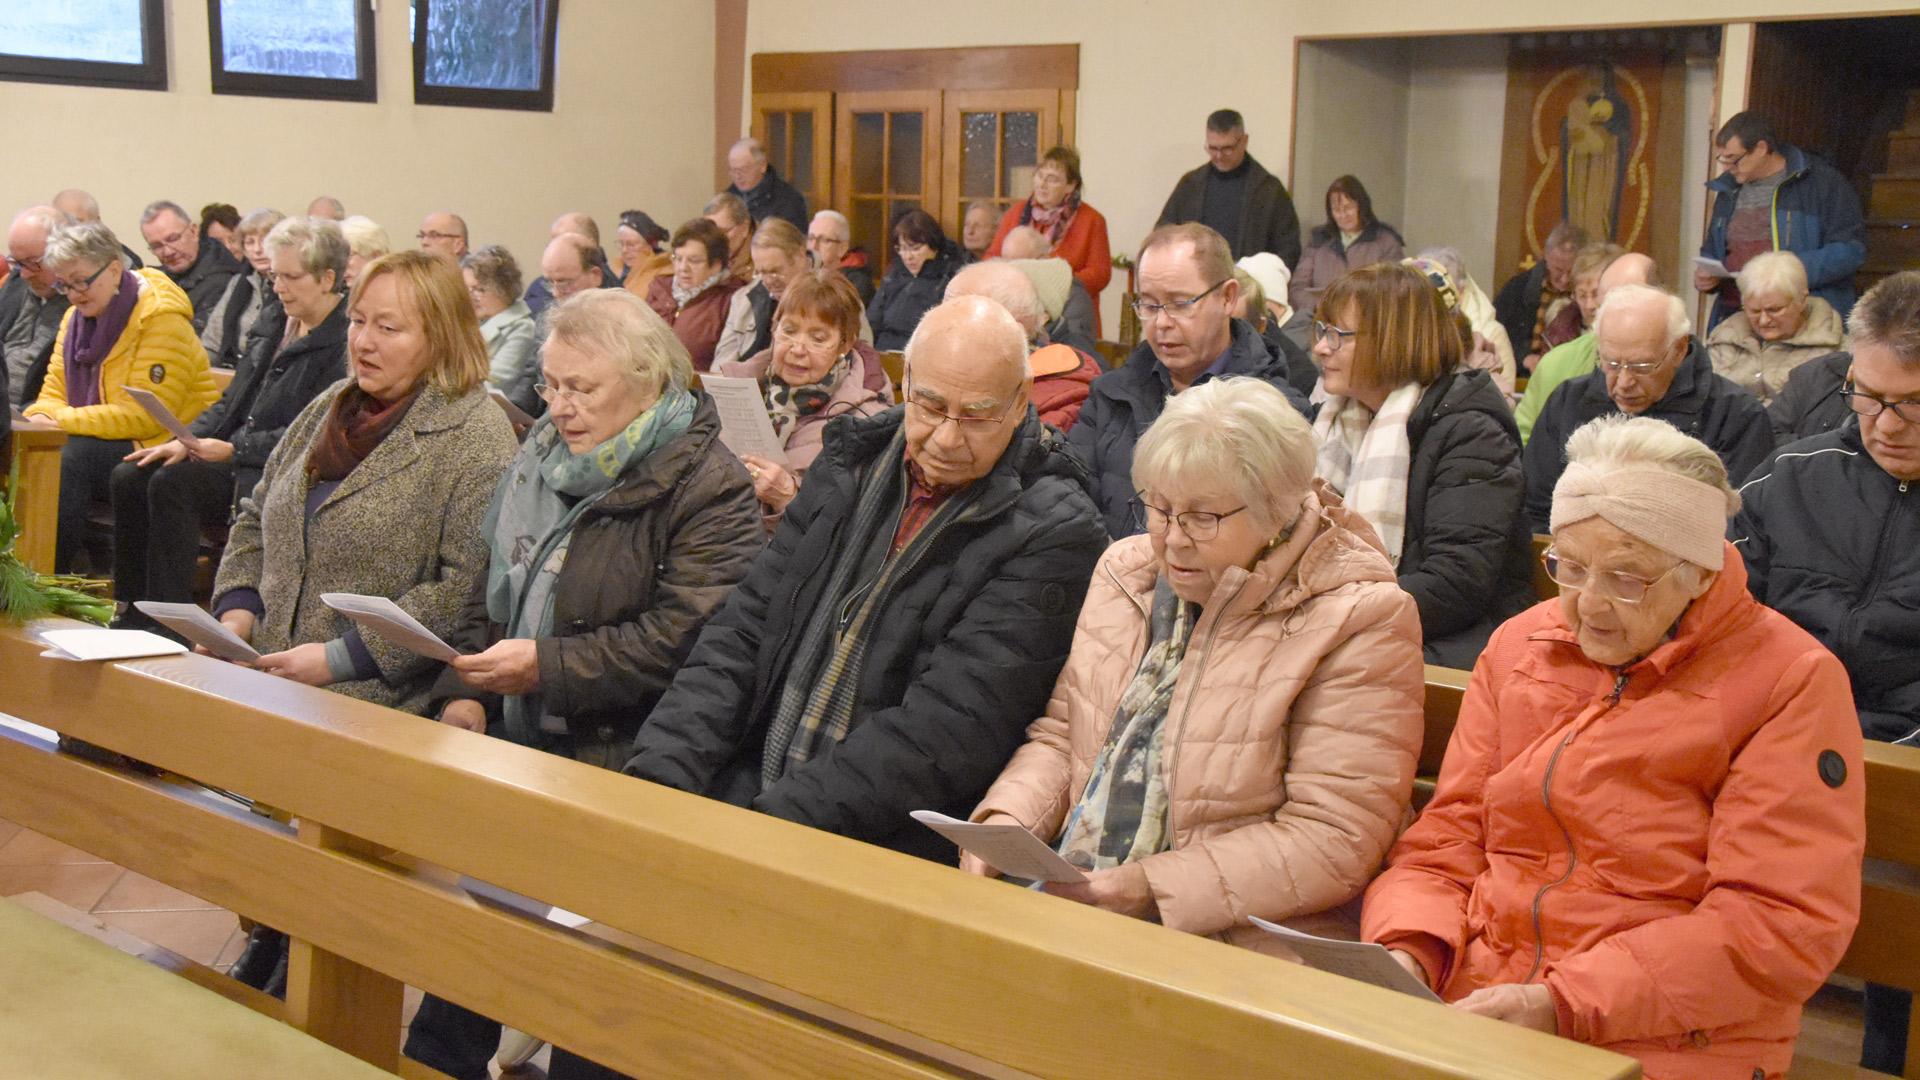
[99, 643]
[744, 424]
[159, 411]
[1009, 849]
[191, 621]
[390, 621]
[1362, 960]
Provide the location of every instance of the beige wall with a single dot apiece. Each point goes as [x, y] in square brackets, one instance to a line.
[1151, 70]
[509, 173]
[1356, 124]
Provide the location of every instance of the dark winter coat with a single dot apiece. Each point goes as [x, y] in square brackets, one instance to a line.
[1127, 400]
[1832, 542]
[1816, 215]
[962, 653]
[903, 298]
[774, 197]
[1810, 403]
[648, 563]
[270, 388]
[1706, 405]
[1467, 558]
[1268, 221]
[1517, 305]
[13, 296]
[205, 282]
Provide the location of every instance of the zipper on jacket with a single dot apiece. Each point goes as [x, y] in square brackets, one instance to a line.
[1573, 856]
[1206, 656]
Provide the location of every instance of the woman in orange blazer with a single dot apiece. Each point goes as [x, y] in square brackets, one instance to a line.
[1076, 232]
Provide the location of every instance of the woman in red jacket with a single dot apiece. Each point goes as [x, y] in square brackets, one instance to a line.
[1077, 231]
[1649, 824]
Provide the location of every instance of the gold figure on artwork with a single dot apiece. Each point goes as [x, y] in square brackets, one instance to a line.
[1594, 140]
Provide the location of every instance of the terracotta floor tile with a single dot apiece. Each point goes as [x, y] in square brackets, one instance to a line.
[77, 885]
[134, 892]
[196, 935]
[29, 848]
[231, 952]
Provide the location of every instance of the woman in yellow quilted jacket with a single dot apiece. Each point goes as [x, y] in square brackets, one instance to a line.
[126, 329]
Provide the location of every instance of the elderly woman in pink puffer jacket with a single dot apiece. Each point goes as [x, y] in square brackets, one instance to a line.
[1235, 730]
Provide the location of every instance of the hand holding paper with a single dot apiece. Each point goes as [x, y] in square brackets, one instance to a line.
[192, 622]
[1360, 960]
[390, 621]
[159, 411]
[1009, 849]
[745, 426]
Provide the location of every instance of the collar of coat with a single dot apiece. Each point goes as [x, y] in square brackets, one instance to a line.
[1037, 451]
[1330, 548]
[433, 411]
[1143, 379]
[1687, 396]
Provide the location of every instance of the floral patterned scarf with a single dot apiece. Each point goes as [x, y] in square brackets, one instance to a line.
[787, 404]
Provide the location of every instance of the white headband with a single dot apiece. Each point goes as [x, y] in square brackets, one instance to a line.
[1674, 513]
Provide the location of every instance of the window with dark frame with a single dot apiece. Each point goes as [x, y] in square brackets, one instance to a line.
[320, 49]
[491, 54]
[119, 43]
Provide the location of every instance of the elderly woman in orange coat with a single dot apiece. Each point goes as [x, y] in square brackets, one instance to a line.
[1235, 730]
[1076, 231]
[1648, 829]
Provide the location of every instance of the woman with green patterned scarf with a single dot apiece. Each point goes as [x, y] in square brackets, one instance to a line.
[620, 526]
[1235, 731]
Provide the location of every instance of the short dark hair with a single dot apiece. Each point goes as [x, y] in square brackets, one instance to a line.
[919, 227]
[1751, 129]
[1352, 188]
[1225, 120]
[220, 213]
[708, 235]
[1069, 161]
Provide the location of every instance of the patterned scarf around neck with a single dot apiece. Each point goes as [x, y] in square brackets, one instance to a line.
[1052, 222]
[683, 297]
[787, 404]
[1122, 814]
[1365, 456]
[529, 524]
[356, 424]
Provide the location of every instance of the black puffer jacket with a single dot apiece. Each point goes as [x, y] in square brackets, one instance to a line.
[903, 298]
[647, 565]
[1810, 404]
[1468, 556]
[1126, 401]
[271, 387]
[1706, 405]
[1832, 542]
[962, 655]
[205, 282]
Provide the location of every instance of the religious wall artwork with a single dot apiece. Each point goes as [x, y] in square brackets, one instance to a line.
[1593, 137]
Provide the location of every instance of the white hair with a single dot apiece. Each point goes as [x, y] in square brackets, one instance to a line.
[82, 242]
[1773, 273]
[1620, 441]
[1240, 430]
[617, 325]
[1005, 285]
[365, 237]
[751, 146]
[839, 221]
[1678, 324]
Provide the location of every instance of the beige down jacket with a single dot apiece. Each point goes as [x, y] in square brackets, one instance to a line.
[1762, 367]
[1291, 738]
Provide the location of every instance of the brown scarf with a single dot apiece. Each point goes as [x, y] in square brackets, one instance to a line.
[354, 426]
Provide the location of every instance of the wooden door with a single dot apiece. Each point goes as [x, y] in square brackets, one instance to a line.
[797, 130]
[993, 140]
[886, 160]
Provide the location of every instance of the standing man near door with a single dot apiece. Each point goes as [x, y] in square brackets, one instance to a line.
[1235, 196]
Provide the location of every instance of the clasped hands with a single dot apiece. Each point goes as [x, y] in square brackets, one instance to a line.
[173, 451]
[1529, 1005]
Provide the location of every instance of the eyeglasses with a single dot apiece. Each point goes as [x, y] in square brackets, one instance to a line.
[555, 394]
[1728, 161]
[425, 235]
[166, 243]
[1865, 404]
[1179, 309]
[936, 417]
[1323, 331]
[1641, 367]
[1613, 585]
[1199, 525]
[31, 266]
[80, 286]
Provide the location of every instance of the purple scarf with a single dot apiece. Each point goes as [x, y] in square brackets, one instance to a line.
[90, 340]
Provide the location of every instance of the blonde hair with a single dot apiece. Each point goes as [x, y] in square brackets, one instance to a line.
[617, 325]
[780, 235]
[433, 289]
[365, 237]
[1773, 273]
[1236, 429]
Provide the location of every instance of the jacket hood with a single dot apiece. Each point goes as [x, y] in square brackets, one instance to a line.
[1052, 281]
[1330, 548]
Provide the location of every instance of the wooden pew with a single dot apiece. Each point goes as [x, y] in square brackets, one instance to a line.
[895, 364]
[36, 447]
[222, 377]
[1446, 687]
[729, 943]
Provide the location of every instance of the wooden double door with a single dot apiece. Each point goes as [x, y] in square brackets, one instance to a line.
[874, 154]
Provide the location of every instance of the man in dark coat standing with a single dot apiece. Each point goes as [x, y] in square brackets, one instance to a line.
[887, 650]
[1186, 302]
[200, 265]
[1235, 196]
[1649, 364]
[761, 188]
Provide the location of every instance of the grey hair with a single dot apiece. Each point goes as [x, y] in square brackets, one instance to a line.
[1678, 324]
[1620, 441]
[259, 223]
[617, 325]
[839, 222]
[1773, 273]
[318, 242]
[734, 206]
[162, 206]
[1450, 261]
[495, 268]
[1889, 316]
[1565, 234]
[752, 146]
[1006, 285]
[85, 241]
[365, 237]
[1237, 429]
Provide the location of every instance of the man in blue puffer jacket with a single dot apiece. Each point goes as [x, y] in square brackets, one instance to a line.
[1774, 196]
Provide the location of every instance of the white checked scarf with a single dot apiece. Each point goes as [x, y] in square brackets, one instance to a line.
[1365, 456]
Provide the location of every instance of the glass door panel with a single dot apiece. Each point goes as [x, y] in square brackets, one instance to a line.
[886, 161]
[995, 137]
[797, 130]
